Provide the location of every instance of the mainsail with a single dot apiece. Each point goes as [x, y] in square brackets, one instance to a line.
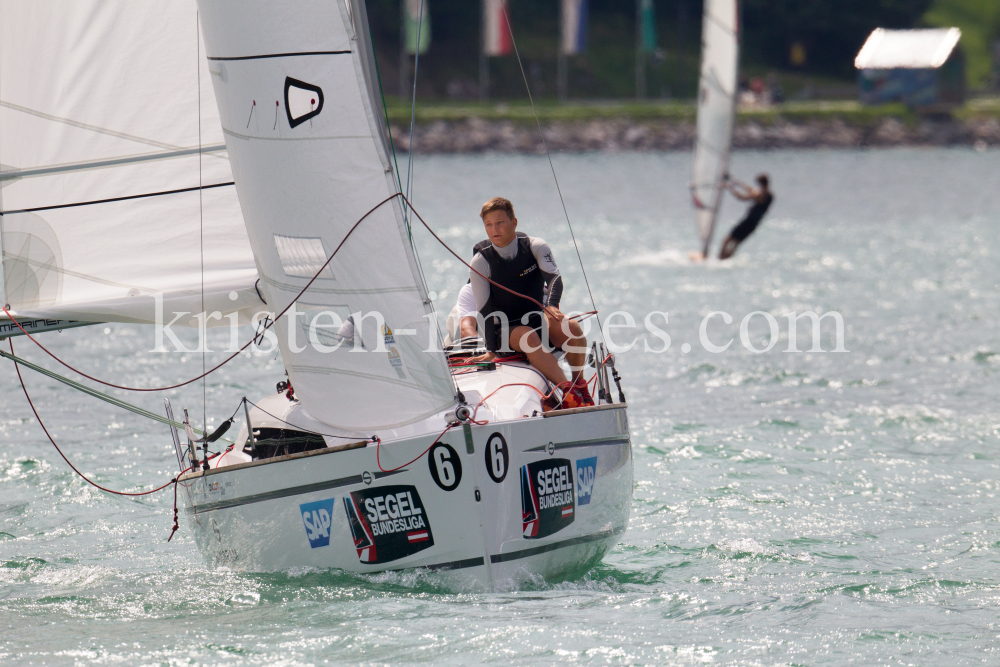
[716, 110]
[115, 184]
[300, 108]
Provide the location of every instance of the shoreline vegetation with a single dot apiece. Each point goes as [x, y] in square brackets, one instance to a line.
[613, 126]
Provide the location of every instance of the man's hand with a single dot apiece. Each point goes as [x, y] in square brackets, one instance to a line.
[554, 313]
[483, 358]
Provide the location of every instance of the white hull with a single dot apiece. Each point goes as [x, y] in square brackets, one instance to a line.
[258, 516]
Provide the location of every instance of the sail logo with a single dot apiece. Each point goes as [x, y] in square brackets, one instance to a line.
[586, 473]
[388, 523]
[302, 101]
[547, 497]
[395, 360]
[317, 517]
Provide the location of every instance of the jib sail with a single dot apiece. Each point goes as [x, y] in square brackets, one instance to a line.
[300, 108]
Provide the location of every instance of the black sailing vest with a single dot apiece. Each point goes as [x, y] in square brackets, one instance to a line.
[521, 274]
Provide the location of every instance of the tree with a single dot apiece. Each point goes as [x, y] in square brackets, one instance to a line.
[832, 31]
[979, 21]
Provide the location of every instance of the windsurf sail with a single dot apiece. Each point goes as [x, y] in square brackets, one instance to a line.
[309, 165]
[717, 89]
[116, 190]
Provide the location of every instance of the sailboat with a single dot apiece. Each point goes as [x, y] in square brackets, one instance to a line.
[717, 89]
[263, 149]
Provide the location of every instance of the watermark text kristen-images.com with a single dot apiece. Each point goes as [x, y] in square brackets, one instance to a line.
[329, 331]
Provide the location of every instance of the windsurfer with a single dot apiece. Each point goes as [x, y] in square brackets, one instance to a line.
[525, 266]
[761, 198]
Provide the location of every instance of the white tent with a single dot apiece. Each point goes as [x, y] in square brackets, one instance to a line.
[907, 49]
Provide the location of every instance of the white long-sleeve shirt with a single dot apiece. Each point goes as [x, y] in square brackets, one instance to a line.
[539, 248]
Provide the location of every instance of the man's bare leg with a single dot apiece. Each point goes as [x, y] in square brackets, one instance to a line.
[526, 341]
[729, 247]
[567, 335]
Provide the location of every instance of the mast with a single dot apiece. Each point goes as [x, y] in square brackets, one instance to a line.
[717, 88]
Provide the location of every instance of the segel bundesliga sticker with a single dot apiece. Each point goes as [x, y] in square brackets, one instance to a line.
[388, 523]
[317, 517]
[586, 473]
[546, 497]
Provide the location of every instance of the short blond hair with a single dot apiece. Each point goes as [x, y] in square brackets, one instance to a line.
[497, 204]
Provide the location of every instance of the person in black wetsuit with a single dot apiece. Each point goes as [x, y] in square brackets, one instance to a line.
[761, 198]
[525, 265]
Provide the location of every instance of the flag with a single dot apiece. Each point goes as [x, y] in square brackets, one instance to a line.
[575, 17]
[496, 32]
[416, 22]
[648, 26]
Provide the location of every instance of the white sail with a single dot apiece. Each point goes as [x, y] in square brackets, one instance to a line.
[101, 121]
[716, 110]
[298, 96]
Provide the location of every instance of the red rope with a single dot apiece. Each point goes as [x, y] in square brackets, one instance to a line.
[459, 258]
[49, 436]
[232, 356]
[378, 447]
[519, 384]
[74, 468]
[250, 342]
[378, 444]
[176, 525]
[285, 310]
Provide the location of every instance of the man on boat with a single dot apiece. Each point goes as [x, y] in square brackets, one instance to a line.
[461, 327]
[524, 265]
[761, 198]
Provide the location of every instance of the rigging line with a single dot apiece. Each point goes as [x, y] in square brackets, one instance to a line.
[459, 257]
[280, 55]
[303, 429]
[385, 112]
[73, 467]
[201, 240]
[552, 167]
[237, 352]
[282, 313]
[413, 105]
[117, 402]
[86, 126]
[84, 165]
[117, 199]
[378, 448]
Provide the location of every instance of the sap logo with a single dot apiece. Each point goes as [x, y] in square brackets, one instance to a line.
[317, 518]
[586, 472]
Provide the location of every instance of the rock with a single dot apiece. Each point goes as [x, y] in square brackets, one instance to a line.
[476, 135]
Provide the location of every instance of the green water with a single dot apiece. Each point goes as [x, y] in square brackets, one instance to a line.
[810, 508]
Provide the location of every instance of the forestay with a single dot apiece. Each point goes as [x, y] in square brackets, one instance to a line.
[99, 145]
[716, 111]
[298, 96]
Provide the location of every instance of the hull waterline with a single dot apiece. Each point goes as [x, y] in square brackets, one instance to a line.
[491, 505]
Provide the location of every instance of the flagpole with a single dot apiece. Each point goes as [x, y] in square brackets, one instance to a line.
[562, 76]
[640, 55]
[484, 61]
[404, 62]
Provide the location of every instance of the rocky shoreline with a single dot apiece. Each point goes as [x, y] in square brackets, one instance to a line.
[476, 135]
